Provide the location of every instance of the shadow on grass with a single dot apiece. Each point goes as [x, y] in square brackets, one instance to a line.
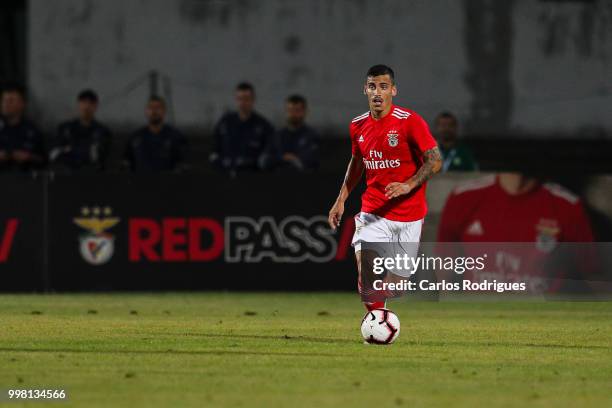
[269, 337]
[404, 341]
[493, 344]
[170, 352]
[208, 352]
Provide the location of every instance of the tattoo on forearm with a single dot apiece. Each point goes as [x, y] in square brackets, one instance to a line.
[431, 165]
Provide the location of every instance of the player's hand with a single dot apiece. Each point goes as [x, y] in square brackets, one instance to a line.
[335, 215]
[395, 189]
[3, 155]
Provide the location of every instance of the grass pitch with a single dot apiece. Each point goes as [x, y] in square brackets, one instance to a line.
[302, 350]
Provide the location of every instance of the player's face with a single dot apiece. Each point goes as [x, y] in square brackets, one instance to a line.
[156, 111]
[380, 91]
[87, 109]
[245, 101]
[296, 113]
[13, 104]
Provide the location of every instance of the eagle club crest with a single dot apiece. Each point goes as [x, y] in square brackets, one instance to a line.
[392, 138]
[548, 232]
[96, 245]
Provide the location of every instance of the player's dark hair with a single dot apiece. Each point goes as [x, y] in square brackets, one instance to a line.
[246, 86]
[156, 98]
[447, 115]
[381, 69]
[12, 87]
[88, 95]
[297, 99]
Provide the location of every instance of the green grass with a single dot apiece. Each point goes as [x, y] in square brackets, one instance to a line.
[303, 350]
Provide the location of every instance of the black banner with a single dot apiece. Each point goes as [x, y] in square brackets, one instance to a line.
[170, 232]
[206, 231]
[22, 234]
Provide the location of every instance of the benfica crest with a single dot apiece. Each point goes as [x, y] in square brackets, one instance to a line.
[392, 138]
[96, 245]
[548, 232]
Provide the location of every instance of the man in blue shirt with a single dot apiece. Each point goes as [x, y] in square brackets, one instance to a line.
[21, 144]
[241, 137]
[82, 143]
[297, 145]
[157, 147]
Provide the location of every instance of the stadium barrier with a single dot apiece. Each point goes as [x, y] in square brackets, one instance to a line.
[184, 232]
[171, 232]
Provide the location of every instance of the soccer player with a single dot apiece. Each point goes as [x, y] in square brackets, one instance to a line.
[532, 218]
[398, 153]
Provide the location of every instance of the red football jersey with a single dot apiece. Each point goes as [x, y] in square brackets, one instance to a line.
[391, 149]
[532, 225]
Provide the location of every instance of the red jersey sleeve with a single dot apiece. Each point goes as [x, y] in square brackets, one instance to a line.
[420, 136]
[578, 228]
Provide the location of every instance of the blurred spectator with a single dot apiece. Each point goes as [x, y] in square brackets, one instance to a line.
[242, 136]
[157, 147]
[297, 144]
[456, 156]
[21, 144]
[82, 143]
[526, 219]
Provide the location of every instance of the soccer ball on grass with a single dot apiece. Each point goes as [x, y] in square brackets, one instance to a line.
[380, 326]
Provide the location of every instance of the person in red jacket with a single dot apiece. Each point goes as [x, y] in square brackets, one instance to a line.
[526, 219]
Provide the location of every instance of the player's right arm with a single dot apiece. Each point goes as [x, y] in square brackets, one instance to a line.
[354, 172]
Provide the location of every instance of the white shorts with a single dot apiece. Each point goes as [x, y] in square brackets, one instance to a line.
[404, 236]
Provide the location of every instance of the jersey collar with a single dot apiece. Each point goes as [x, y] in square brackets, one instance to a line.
[384, 118]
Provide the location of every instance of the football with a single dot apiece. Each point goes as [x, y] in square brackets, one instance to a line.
[380, 326]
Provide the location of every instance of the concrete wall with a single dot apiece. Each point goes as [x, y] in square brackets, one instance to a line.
[504, 66]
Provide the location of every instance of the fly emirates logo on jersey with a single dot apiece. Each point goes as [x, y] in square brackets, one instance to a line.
[376, 161]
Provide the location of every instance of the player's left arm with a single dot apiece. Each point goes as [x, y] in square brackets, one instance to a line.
[421, 139]
[432, 163]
